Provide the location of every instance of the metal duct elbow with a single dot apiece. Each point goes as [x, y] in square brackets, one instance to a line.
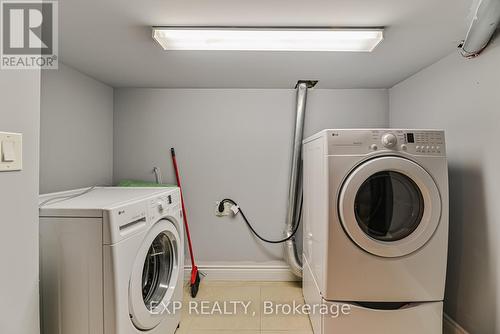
[484, 23]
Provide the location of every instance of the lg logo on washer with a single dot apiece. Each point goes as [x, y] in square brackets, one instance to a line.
[29, 38]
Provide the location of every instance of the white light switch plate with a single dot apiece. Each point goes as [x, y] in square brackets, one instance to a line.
[11, 151]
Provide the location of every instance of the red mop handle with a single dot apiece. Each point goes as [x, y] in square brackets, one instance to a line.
[177, 176]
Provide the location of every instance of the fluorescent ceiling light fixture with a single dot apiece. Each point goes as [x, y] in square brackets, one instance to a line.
[268, 39]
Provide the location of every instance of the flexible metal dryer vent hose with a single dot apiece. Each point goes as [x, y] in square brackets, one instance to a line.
[295, 187]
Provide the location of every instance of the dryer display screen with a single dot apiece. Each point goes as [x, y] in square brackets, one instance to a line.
[410, 137]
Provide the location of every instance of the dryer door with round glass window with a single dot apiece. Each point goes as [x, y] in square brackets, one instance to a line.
[154, 277]
[389, 206]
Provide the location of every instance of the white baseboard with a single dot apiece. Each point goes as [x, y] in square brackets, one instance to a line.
[451, 327]
[243, 273]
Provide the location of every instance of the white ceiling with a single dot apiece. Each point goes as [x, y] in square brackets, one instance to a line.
[111, 41]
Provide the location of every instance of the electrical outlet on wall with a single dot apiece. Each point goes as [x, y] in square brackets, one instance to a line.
[227, 209]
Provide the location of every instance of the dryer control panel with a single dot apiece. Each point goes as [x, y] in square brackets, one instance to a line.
[413, 141]
[364, 141]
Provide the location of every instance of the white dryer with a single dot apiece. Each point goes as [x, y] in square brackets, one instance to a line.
[376, 229]
[111, 261]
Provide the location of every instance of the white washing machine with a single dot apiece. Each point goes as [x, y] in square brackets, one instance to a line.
[111, 261]
[376, 229]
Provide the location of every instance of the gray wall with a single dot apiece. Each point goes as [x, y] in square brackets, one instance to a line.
[76, 147]
[463, 97]
[20, 112]
[230, 143]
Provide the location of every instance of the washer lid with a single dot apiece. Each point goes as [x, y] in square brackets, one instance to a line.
[390, 206]
[154, 277]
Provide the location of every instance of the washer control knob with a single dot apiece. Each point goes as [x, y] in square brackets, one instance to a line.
[404, 147]
[389, 140]
[161, 206]
[373, 147]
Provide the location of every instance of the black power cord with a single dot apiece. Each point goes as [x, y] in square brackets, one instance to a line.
[296, 228]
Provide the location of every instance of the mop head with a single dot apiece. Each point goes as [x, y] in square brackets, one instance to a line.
[195, 283]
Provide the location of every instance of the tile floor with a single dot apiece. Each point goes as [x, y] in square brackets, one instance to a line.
[254, 320]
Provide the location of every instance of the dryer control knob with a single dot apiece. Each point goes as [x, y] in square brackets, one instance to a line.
[389, 140]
